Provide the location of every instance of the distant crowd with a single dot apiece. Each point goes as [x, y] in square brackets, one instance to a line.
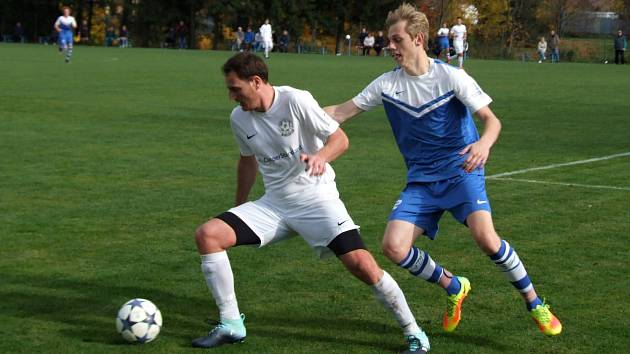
[448, 43]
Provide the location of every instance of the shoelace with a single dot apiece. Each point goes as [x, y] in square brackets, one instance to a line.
[542, 313]
[217, 325]
[451, 304]
[414, 343]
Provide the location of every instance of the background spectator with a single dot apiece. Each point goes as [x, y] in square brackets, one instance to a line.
[621, 44]
[379, 43]
[239, 36]
[18, 33]
[554, 44]
[283, 42]
[123, 37]
[249, 39]
[362, 36]
[368, 44]
[110, 36]
[180, 33]
[542, 49]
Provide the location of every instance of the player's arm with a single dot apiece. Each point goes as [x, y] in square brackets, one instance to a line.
[334, 147]
[57, 28]
[343, 112]
[479, 151]
[74, 24]
[245, 177]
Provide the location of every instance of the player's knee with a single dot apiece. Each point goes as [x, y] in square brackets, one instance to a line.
[210, 237]
[395, 251]
[488, 241]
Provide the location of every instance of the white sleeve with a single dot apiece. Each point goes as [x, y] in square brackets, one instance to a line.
[58, 22]
[468, 91]
[371, 97]
[313, 117]
[238, 136]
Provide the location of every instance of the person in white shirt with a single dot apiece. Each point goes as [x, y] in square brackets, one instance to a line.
[284, 134]
[266, 35]
[368, 44]
[443, 42]
[542, 49]
[65, 25]
[458, 33]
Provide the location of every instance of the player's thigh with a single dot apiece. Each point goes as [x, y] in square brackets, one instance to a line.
[320, 221]
[264, 219]
[416, 205]
[458, 46]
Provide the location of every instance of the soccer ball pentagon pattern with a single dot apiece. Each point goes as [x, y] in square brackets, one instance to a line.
[139, 321]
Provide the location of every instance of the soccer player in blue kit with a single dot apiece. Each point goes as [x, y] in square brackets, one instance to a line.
[429, 105]
[64, 25]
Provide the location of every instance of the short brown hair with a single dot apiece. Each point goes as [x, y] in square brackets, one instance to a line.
[416, 21]
[246, 65]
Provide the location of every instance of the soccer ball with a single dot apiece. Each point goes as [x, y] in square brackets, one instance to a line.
[347, 36]
[139, 321]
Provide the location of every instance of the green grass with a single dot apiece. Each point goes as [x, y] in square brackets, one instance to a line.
[108, 164]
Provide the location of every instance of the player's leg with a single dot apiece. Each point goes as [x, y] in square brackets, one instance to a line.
[508, 261]
[252, 223]
[349, 248]
[213, 238]
[417, 213]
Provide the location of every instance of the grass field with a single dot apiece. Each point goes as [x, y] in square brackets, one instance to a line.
[108, 164]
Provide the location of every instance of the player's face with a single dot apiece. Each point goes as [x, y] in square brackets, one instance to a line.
[66, 12]
[243, 91]
[402, 46]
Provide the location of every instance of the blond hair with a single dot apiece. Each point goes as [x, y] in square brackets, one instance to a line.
[416, 21]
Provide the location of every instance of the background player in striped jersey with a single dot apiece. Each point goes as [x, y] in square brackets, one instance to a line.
[284, 133]
[429, 105]
[65, 25]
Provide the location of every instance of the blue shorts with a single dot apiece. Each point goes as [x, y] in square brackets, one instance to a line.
[423, 203]
[65, 38]
[443, 43]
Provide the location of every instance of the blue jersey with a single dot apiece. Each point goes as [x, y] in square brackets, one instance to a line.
[430, 116]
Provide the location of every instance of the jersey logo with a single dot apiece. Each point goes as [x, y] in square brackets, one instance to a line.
[399, 92]
[251, 136]
[481, 201]
[341, 223]
[286, 127]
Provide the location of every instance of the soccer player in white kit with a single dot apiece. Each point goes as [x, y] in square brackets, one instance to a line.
[266, 35]
[458, 32]
[64, 25]
[283, 133]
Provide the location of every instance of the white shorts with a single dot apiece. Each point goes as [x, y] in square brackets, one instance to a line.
[458, 45]
[318, 221]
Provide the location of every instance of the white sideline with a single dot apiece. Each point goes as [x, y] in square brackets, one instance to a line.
[560, 183]
[500, 175]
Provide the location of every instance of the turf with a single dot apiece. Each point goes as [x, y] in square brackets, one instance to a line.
[109, 163]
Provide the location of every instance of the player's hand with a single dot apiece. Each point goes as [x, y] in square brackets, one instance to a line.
[315, 165]
[478, 154]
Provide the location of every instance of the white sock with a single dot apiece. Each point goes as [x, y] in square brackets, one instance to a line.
[388, 293]
[220, 280]
[460, 61]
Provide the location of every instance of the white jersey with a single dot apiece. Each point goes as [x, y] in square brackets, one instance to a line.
[294, 124]
[443, 32]
[265, 32]
[422, 94]
[459, 32]
[66, 23]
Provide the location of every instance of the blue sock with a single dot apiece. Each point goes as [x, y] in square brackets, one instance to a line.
[532, 305]
[454, 287]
